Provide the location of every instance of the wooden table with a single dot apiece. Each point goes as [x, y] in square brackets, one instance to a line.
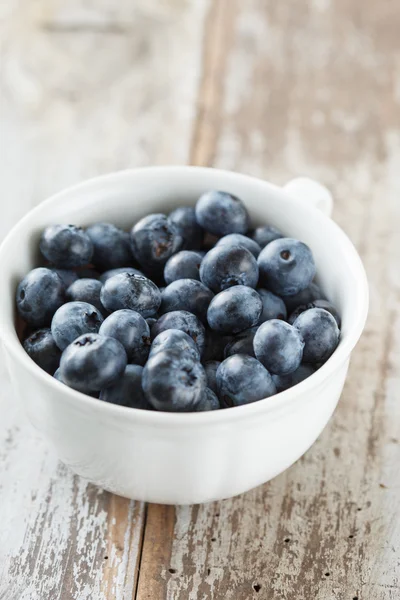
[274, 89]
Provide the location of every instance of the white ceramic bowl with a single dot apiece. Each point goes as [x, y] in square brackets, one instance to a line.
[185, 458]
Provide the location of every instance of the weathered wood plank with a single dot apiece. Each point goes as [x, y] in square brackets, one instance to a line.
[310, 88]
[86, 88]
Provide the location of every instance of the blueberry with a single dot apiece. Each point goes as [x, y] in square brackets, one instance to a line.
[234, 310]
[132, 331]
[57, 375]
[242, 343]
[242, 379]
[127, 391]
[316, 304]
[175, 340]
[237, 239]
[67, 276]
[187, 294]
[183, 265]
[111, 246]
[92, 362]
[273, 306]
[173, 381]
[215, 345]
[66, 246]
[185, 321]
[311, 293]
[221, 213]
[322, 303]
[86, 290]
[320, 332]
[131, 291]
[226, 266]
[286, 266]
[39, 295]
[209, 401]
[184, 219]
[278, 346]
[153, 240]
[112, 272]
[265, 234]
[284, 382]
[42, 349]
[74, 319]
[211, 368]
[93, 394]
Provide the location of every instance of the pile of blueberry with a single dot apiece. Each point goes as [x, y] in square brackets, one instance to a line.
[188, 312]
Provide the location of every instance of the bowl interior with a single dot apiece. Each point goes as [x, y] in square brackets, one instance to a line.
[125, 197]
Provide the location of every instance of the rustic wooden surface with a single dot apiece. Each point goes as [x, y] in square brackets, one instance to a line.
[274, 89]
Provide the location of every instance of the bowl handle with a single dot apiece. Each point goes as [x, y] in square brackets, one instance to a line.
[310, 191]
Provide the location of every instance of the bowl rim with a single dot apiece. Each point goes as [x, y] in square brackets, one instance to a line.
[278, 401]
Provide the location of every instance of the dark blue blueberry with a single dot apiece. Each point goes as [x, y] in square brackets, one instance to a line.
[111, 246]
[86, 290]
[221, 213]
[72, 320]
[209, 401]
[127, 390]
[273, 306]
[311, 293]
[211, 368]
[67, 276]
[42, 349]
[175, 340]
[237, 239]
[226, 266]
[135, 292]
[278, 346]
[185, 321]
[183, 265]
[93, 394]
[242, 343]
[265, 234]
[234, 310]
[173, 381]
[153, 240]
[242, 379]
[215, 345]
[320, 333]
[316, 304]
[322, 303]
[132, 331]
[92, 363]
[187, 294]
[112, 272]
[284, 382]
[39, 295]
[286, 266]
[184, 218]
[66, 246]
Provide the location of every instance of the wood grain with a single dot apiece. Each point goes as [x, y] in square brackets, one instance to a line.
[275, 89]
